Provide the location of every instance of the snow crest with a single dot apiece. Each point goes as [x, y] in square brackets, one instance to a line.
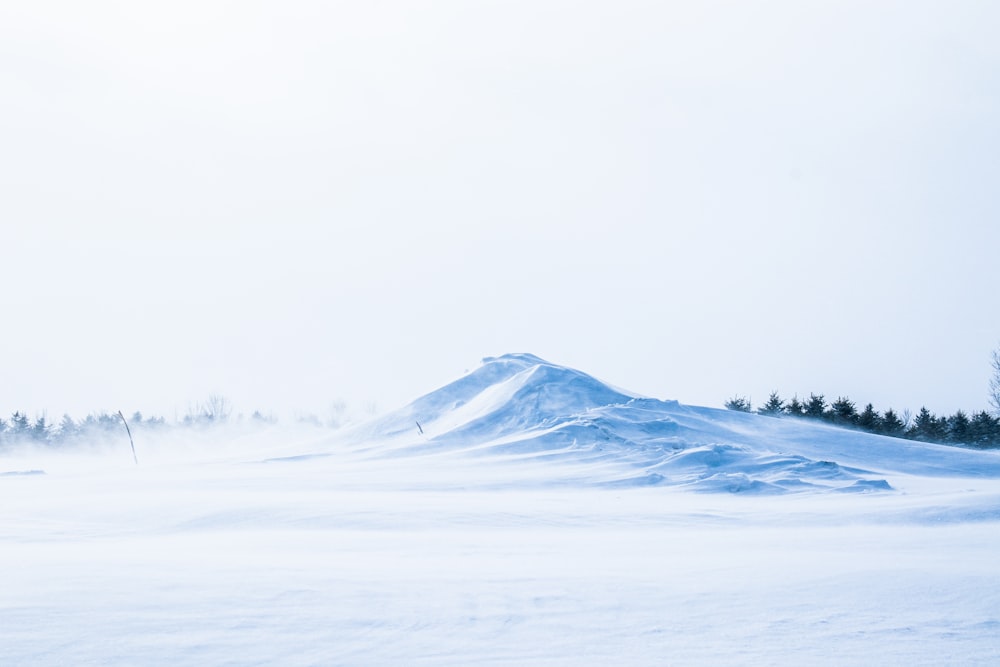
[520, 408]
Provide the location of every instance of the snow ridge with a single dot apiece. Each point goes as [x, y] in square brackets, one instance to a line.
[519, 407]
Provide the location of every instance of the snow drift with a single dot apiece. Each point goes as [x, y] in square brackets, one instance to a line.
[518, 407]
[506, 533]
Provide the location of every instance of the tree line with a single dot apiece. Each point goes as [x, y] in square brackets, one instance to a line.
[979, 429]
[19, 429]
[216, 410]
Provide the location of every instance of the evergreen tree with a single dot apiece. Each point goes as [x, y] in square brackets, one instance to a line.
[959, 428]
[739, 404]
[842, 411]
[68, 429]
[19, 425]
[88, 426]
[983, 430]
[795, 408]
[869, 420]
[815, 406]
[892, 425]
[924, 426]
[773, 407]
[939, 429]
[109, 423]
[40, 430]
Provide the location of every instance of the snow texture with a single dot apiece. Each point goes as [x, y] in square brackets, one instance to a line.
[518, 406]
[536, 516]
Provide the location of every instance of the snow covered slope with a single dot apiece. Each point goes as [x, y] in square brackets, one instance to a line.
[541, 518]
[518, 407]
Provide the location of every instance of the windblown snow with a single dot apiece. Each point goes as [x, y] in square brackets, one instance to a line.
[526, 513]
[519, 407]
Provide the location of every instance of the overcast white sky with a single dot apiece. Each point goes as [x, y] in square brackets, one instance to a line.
[293, 202]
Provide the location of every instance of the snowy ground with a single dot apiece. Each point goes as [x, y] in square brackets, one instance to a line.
[276, 549]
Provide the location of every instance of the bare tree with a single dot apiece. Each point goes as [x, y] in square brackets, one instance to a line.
[216, 408]
[995, 382]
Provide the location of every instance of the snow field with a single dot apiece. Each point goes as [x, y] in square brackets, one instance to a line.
[543, 518]
[254, 563]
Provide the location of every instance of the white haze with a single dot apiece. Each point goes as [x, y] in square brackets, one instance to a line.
[487, 539]
[289, 203]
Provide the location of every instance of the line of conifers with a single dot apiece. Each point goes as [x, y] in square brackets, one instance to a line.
[982, 429]
[979, 430]
[20, 429]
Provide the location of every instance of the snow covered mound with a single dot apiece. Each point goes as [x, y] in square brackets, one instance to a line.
[519, 408]
[506, 395]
